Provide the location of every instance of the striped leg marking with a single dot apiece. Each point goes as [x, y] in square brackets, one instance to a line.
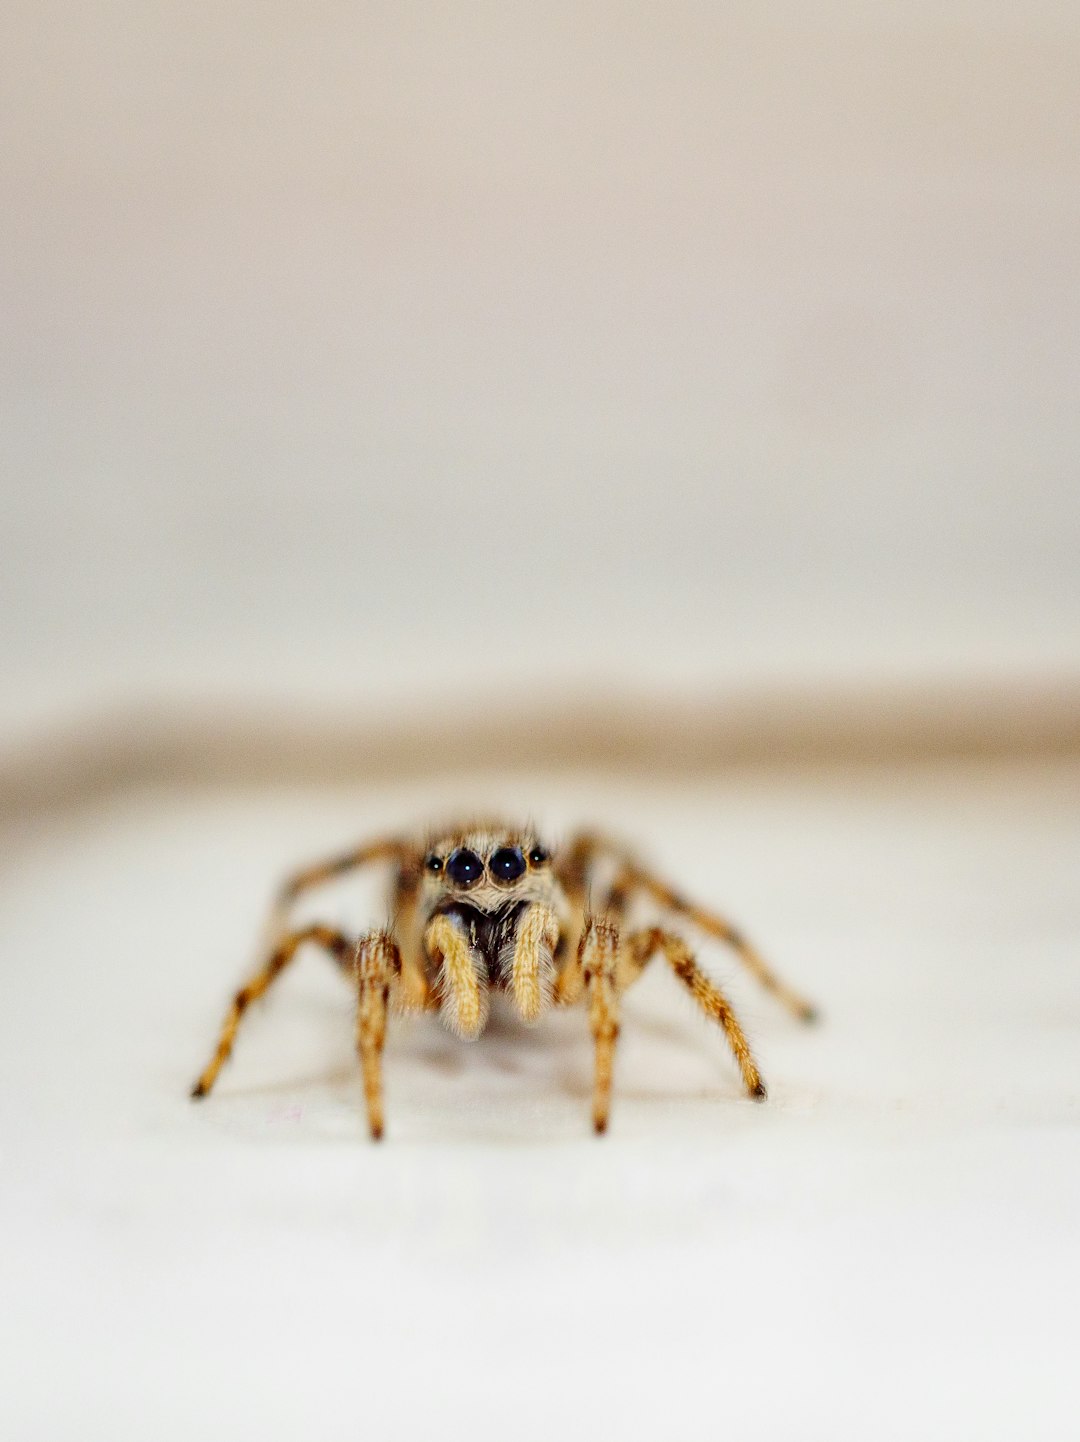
[577, 871]
[378, 965]
[598, 953]
[715, 926]
[335, 942]
[641, 946]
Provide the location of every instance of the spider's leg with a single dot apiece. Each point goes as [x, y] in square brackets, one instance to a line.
[569, 983]
[633, 878]
[378, 965]
[414, 991]
[598, 954]
[577, 861]
[639, 948]
[574, 866]
[382, 849]
[577, 869]
[569, 980]
[335, 942]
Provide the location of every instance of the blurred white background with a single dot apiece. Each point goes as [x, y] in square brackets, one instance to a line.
[359, 354]
[365, 350]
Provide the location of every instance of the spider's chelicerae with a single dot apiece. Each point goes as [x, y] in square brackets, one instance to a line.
[486, 907]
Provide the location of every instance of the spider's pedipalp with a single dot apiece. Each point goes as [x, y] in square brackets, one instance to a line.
[462, 977]
[526, 960]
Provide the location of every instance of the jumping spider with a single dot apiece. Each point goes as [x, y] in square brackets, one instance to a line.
[486, 907]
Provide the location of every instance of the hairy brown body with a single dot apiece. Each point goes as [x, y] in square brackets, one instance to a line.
[486, 907]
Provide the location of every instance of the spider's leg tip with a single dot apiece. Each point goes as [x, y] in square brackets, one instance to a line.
[376, 1131]
[809, 1013]
[198, 1091]
[759, 1092]
[600, 1125]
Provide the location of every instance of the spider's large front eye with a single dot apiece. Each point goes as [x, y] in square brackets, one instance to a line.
[464, 867]
[507, 864]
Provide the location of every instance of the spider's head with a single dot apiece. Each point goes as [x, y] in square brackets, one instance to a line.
[487, 869]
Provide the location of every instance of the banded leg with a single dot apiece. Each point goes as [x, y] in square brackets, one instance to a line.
[574, 867]
[414, 992]
[570, 979]
[570, 982]
[462, 976]
[599, 951]
[639, 948]
[378, 964]
[573, 870]
[632, 877]
[335, 942]
[383, 849]
[576, 863]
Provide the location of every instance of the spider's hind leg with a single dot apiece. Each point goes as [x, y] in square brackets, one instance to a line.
[630, 879]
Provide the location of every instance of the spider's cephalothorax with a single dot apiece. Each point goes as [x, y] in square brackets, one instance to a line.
[488, 914]
[482, 908]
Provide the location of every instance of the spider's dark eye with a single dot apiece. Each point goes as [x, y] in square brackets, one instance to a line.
[464, 867]
[537, 856]
[507, 863]
[433, 862]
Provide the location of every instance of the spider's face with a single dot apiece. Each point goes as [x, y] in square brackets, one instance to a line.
[487, 871]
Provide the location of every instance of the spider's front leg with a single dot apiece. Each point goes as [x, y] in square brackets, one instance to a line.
[377, 967]
[598, 954]
[632, 879]
[639, 949]
[385, 848]
[328, 937]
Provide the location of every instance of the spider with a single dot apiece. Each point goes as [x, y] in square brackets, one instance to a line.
[487, 907]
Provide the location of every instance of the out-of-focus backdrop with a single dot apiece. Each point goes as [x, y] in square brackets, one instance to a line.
[419, 407]
[365, 353]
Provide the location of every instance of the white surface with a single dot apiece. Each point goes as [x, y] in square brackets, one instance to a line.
[392, 350]
[888, 1249]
